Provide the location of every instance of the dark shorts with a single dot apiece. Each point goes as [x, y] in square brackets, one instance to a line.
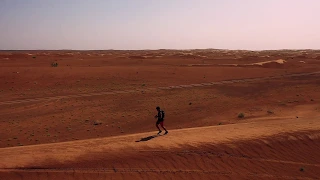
[159, 122]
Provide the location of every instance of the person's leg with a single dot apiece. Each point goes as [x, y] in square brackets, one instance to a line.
[161, 123]
[157, 125]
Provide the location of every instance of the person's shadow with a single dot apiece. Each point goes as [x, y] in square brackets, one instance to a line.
[147, 138]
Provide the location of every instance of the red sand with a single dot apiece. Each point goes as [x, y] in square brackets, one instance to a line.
[119, 90]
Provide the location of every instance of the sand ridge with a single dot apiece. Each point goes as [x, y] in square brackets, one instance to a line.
[54, 158]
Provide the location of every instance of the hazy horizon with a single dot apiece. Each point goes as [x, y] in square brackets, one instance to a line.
[142, 24]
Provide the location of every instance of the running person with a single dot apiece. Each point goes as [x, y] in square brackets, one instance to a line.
[160, 120]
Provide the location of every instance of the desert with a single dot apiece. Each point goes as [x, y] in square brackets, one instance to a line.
[231, 114]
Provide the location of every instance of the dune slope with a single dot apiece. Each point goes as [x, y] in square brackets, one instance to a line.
[269, 149]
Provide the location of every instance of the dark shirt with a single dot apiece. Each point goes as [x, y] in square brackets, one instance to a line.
[160, 118]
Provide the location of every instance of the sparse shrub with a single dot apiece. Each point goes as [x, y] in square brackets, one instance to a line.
[241, 115]
[270, 112]
[302, 169]
[54, 64]
[282, 103]
[34, 57]
[97, 123]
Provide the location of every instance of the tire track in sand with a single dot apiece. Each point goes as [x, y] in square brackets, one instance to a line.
[159, 88]
[145, 170]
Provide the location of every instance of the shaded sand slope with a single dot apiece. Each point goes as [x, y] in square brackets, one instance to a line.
[285, 148]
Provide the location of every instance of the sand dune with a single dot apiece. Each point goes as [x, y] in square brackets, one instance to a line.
[279, 61]
[269, 149]
[91, 116]
[273, 63]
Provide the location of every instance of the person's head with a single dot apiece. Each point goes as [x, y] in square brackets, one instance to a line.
[158, 108]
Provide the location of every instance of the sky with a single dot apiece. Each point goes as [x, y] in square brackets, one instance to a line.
[159, 24]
